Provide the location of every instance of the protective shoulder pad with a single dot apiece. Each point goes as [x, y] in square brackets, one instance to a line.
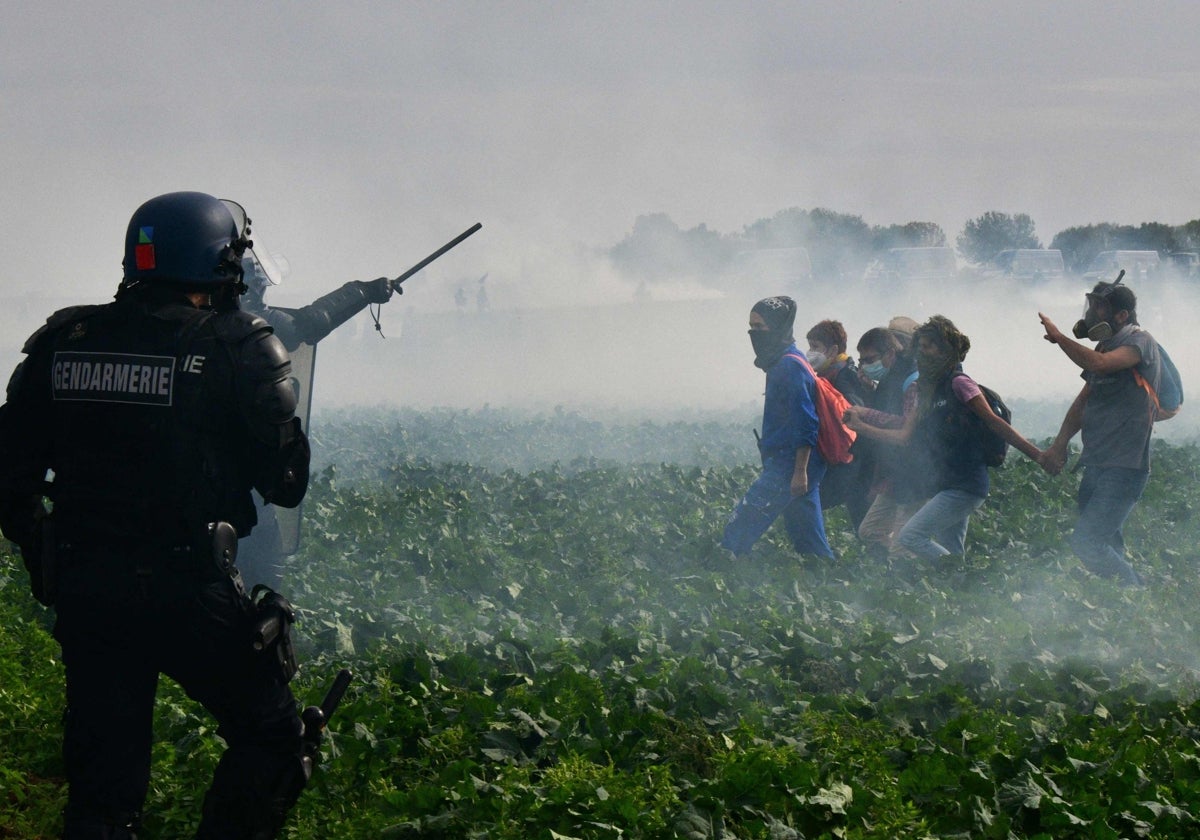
[262, 372]
[234, 326]
[60, 319]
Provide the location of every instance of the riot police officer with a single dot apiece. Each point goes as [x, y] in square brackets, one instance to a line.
[262, 552]
[131, 438]
[312, 323]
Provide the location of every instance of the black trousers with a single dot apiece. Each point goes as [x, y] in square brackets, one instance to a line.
[124, 620]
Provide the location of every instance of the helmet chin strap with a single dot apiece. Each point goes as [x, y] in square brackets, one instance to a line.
[225, 297]
[222, 298]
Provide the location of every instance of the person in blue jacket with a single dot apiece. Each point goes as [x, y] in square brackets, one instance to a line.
[791, 466]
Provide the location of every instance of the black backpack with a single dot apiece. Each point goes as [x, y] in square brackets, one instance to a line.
[995, 448]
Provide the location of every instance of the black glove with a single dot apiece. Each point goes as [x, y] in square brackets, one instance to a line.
[376, 291]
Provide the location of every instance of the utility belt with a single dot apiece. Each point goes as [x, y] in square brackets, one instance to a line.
[209, 558]
[212, 549]
[58, 547]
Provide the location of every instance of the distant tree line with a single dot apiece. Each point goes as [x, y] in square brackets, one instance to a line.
[838, 244]
[841, 245]
[1080, 244]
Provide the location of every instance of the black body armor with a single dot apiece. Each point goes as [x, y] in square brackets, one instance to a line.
[155, 418]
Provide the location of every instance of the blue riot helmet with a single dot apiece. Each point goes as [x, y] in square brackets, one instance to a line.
[187, 239]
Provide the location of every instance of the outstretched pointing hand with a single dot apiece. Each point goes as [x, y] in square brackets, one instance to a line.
[1053, 333]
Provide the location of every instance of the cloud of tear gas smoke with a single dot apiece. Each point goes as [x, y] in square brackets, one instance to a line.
[561, 326]
[555, 328]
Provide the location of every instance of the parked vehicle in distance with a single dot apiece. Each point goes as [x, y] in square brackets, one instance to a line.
[1138, 265]
[1031, 264]
[786, 267]
[914, 265]
[1184, 265]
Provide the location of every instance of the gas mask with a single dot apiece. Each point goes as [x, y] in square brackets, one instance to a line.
[1090, 326]
[1112, 297]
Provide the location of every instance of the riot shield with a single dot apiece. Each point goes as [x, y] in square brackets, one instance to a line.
[304, 362]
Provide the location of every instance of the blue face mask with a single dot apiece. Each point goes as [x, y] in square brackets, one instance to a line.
[876, 370]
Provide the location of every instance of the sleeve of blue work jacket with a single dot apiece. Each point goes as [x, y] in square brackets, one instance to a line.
[802, 408]
[789, 414]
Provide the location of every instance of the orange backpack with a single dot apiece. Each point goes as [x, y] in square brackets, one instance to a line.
[834, 437]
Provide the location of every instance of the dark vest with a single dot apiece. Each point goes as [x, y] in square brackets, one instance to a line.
[949, 435]
[148, 442]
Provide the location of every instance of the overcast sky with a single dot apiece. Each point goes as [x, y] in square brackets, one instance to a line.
[360, 136]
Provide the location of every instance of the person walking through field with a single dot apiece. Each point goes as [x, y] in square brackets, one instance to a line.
[1115, 412]
[944, 433]
[843, 484]
[792, 467]
[889, 371]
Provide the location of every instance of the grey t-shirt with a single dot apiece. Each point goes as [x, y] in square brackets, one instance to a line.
[1119, 414]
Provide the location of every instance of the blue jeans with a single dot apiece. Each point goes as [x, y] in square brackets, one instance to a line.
[939, 528]
[1106, 497]
[771, 495]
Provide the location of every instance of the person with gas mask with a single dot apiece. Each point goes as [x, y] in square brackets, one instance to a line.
[792, 467]
[1115, 413]
[261, 554]
[131, 437]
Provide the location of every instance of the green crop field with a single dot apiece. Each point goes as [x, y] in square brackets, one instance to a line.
[547, 644]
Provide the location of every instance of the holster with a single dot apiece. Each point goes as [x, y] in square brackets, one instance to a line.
[272, 632]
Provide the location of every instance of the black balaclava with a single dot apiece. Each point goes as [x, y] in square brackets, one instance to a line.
[779, 314]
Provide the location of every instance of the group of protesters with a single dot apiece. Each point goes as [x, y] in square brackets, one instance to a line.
[920, 464]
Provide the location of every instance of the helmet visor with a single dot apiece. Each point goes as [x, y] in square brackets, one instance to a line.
[265, 264]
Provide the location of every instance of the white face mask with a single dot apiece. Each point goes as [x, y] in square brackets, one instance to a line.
[816, 358]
